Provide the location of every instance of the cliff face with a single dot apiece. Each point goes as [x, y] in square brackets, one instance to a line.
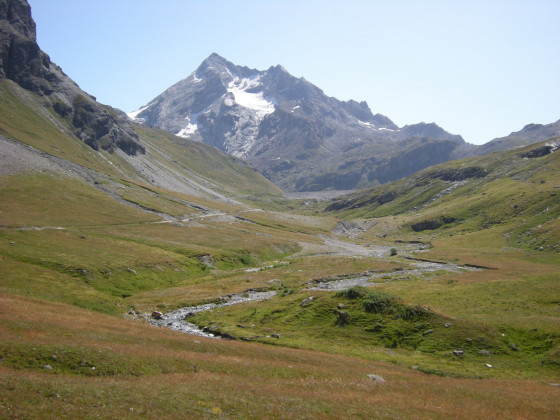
[23, 62]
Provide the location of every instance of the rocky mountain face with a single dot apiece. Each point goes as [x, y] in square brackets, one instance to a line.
[23, 62]
[293, 133]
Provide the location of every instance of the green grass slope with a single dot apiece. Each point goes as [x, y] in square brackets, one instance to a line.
[516, 190]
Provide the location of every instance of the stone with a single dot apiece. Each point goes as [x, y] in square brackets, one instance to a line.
[275, 335]
[157, 315]
[47, 367]
[428, 332]
[447, 325]
[307, 301]
[208, 261]
[484, 352]
[376, 378]
[458, 352]
[341, 306]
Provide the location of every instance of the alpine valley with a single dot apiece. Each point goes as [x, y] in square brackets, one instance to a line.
[148, 274]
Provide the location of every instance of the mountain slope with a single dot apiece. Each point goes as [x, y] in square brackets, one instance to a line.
[289, 130]
[514, 191]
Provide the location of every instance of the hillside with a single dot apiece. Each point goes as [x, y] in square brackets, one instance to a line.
[433, 296]
[515, 191]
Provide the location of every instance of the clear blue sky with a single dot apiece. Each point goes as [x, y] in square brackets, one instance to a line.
[477, 68]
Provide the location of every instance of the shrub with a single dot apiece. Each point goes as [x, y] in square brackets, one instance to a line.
[378, 301]
[245, 258]
[352, 293]
[408, 312]
[342, 318]
[393, 252]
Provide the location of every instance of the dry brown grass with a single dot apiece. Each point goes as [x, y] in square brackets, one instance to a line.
[187, 376]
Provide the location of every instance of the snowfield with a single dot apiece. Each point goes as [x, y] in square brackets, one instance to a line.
[254, 101]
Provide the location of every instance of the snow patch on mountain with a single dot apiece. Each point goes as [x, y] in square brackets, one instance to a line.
[132, 115]
[240, 88]
[196, 79]
[367, 124]
[188, 131]
[191, 127]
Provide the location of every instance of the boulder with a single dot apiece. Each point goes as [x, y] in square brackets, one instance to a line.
[157, 315]
[376, 378]
[307, 301]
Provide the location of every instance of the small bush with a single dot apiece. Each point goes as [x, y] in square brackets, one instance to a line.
[342, 318]
[245, 258]
[378, 302]
[393, 252]
[352, 293]
[408, 312]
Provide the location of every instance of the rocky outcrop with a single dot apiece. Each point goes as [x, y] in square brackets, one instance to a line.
[23, 62]
[431, 224]
[538, 152]
[460, 174]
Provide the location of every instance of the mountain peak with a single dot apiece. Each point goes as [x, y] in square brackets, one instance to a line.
[430, 130]
[285, 127]
[215, 58]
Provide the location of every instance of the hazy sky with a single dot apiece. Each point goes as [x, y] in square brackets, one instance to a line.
[481, 69]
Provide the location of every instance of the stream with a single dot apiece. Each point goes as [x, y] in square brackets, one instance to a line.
[338, 283]
[175, 320]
